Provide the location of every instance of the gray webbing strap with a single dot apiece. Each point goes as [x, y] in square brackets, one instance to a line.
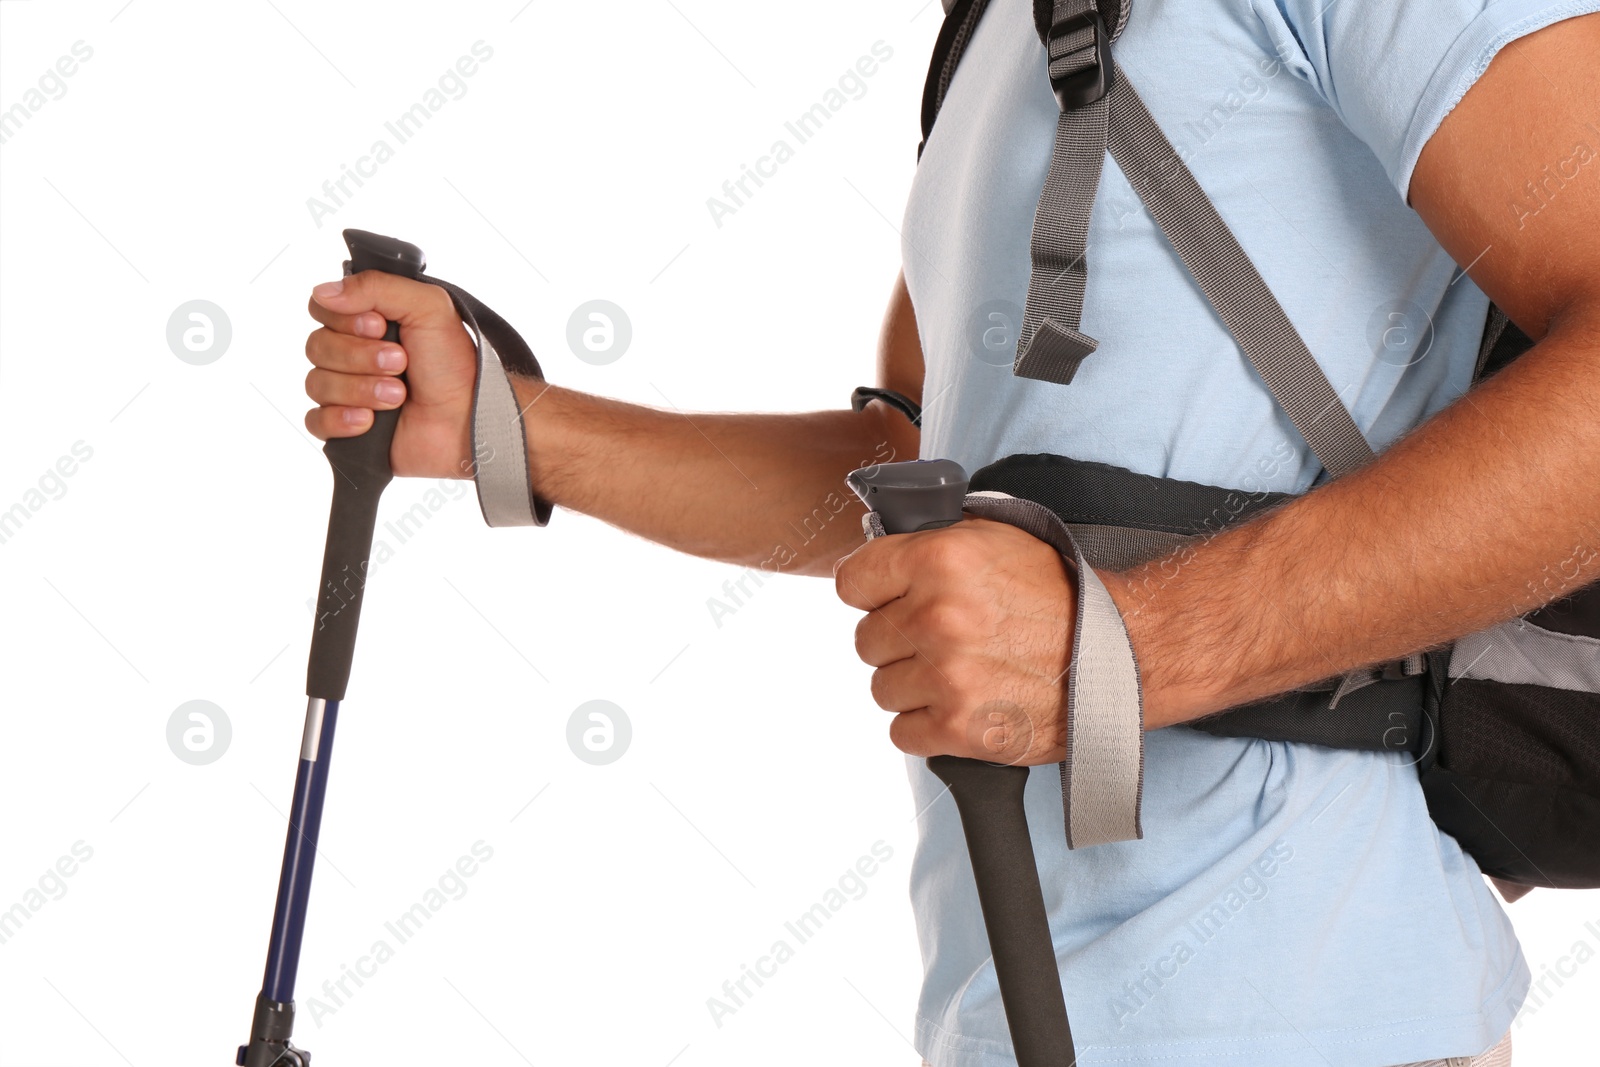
[499, 445]
[1121, 548]
[1050, 345]
[1102, 778]
[1231, 282]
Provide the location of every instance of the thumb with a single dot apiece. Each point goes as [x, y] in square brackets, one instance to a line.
[404, 300]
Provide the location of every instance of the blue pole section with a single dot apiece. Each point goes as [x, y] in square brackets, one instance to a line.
[300, 852]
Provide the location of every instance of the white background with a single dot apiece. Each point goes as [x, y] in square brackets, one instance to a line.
[176, 563]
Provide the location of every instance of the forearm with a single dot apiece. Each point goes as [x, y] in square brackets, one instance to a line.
[1485, 512]
[761, 490]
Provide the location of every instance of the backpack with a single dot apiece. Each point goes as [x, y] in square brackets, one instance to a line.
[1503, 725]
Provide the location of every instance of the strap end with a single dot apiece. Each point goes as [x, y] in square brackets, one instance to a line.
[1054, 353]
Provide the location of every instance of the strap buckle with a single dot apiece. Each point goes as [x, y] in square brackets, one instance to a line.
[1082, 87]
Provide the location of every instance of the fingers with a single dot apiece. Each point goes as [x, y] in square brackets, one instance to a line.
[882, 637]
[920, 623]
[917, 733]
[996, 732]
[874, 574]
[882, 569]
[364, 324]
[336, 351]
[907, 685]
[913, 690]
[330, 422]
[351, 375]
[934, 717]
[355, 390]
[347, 401]
[385, 296]
[355, 372]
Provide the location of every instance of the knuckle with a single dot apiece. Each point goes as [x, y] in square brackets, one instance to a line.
[944, 556]
[844, 586]
[950, 735]
[905, 736]
[900, 735]
[322, 423]
[437, 302]
[963, 680]
[863, 638]
[942, 618]
[881, 688]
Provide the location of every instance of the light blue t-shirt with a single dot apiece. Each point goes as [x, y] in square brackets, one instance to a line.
[1289, 904]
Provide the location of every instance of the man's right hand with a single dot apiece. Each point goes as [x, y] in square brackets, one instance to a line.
[722, 486]
[355, 372]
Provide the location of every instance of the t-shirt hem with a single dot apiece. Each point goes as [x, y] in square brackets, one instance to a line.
[1399, 1041]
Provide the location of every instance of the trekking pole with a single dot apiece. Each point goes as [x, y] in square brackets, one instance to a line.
[360, 472]
[927, 495]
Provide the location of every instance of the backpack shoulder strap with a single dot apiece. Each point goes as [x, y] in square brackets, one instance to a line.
[1077, 36]
[1077, 40]
[961, 18]
[1100, 111]
[1231, 282]
[1114, 12]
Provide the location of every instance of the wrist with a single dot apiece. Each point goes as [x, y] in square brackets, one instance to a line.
[1176, 681]
[539, 402]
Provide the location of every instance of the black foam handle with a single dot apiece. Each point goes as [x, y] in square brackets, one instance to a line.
[990, 799]
[927, 494]
[361, 471]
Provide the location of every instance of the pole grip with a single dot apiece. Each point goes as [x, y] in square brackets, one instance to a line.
[989, 797]
[361, 471]
[926, 495]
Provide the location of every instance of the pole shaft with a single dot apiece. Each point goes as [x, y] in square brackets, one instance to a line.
[299, 855]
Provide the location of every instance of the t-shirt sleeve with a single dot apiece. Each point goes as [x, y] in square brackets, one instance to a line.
[1393, 69]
